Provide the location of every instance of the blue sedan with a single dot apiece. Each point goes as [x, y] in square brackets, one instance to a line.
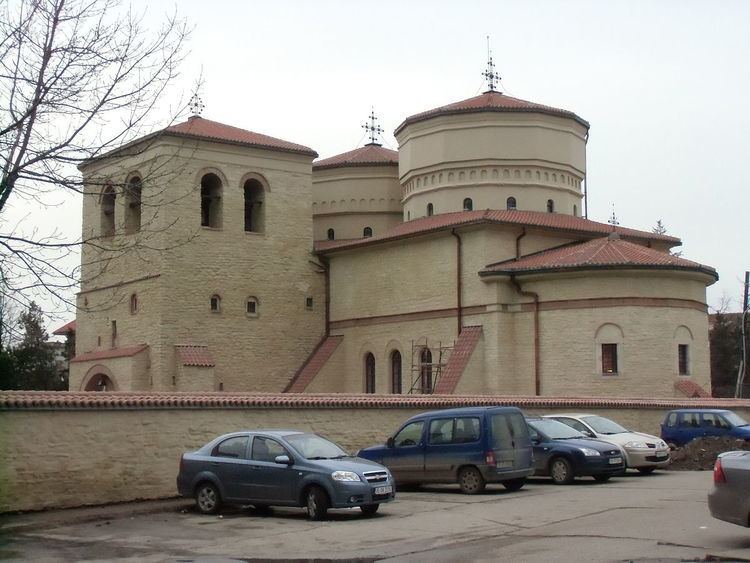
[564, 453]
[282, 468]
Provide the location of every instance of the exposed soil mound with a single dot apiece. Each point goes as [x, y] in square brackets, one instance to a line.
[700, 454]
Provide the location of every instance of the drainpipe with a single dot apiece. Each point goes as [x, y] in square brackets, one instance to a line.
[535, 297]
[518, 243]
[459, 316]
[325, 265]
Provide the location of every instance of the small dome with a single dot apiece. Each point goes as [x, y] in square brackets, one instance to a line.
[494, 102]
[370, 155]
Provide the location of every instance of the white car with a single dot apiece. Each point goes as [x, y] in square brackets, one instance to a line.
[643, 452]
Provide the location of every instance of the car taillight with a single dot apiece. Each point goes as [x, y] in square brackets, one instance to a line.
[489, 458]
[719, 476]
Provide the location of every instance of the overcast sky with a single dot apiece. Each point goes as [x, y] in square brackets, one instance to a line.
[664, 84]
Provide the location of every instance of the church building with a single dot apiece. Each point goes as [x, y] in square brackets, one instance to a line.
[463, 263]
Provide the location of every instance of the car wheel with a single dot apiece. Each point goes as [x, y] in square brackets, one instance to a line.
[369, 509]
[317, 503]
[470, 480]
[646, 470]
[514, 484]
[602, 478]
[561, 471]
[207, 498]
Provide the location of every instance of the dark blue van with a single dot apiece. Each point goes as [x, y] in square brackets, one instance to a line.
[470, 446]
[682, 425]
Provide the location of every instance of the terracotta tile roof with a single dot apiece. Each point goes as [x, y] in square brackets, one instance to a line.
[200, 128]
[492, 102]
[459, 358]
[691, 389]
[66, 328]
[314, 363]
[111, 353]
[369, 155]
[191, 355]
[548, 221]
[20, 400]
[604, 252]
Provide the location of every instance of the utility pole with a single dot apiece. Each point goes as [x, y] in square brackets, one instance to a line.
[743, 331]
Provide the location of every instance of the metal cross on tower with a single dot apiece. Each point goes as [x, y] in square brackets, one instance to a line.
[613, 219]
[490, 75]
[372, 129]
[196, 105]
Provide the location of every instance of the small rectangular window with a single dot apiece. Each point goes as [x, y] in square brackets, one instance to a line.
[114, 334]
[252, 307]
[609, 358]
[309, 302]
[682, 359]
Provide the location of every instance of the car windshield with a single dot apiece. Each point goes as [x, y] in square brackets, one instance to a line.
[554, 429]
[734, 419]
[312, 446]
[603, 425]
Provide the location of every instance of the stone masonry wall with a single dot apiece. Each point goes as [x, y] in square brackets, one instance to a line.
[67, 449]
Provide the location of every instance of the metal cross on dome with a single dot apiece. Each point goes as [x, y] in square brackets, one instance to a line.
[372, 129]
[490, 75]
[196, 105]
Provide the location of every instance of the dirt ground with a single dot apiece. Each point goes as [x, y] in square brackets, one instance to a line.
[700, 454]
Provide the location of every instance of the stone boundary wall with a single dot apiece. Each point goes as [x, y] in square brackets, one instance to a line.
[62, 449]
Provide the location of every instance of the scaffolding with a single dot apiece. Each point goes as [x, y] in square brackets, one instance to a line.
[425, 371]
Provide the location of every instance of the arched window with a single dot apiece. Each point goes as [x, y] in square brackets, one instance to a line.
[430, 210]
[510, 203]
[367, 232]
[396, 372]
[369, 373]
[550, 206]
[133, 193]
[468, 204]
[609, 349]
[133, 304]
[251, 307]
[215, 304]
[254, 206]
[211, 201]
[425, 371]
[108, 212]
[331, 234]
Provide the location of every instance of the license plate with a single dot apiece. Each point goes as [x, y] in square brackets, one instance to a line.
[660, 457]
[387, 490]
[615, 460]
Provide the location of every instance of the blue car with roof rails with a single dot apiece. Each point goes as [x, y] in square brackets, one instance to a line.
[680, 426]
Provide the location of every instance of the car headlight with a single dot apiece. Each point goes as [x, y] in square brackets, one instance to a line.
[345, 476]
[636, 445]
[662, 445]
[589, 452]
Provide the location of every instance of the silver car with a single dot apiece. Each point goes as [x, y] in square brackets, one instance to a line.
[730, 498]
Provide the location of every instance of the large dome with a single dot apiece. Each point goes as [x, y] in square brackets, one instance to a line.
[492, 151]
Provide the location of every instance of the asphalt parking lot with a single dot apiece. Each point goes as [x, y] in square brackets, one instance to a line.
[661, 517]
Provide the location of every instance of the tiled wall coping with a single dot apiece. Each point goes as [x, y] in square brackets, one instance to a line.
[62, 400]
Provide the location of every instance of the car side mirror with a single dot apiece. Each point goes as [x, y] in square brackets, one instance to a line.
[536, 440]
[282, 460]
[389, 442]
[589, 434]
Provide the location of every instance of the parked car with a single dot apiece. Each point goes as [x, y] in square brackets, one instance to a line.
[564, 453]
[730, 498]
[682, 425]
[469, 446]
[281, 468]
[643, 452]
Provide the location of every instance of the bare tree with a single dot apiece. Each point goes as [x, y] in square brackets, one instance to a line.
[78, 78]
